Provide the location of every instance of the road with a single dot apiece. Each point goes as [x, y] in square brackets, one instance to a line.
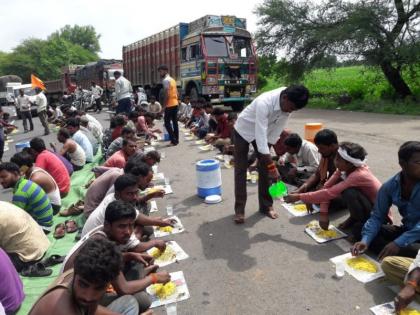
[270, 266]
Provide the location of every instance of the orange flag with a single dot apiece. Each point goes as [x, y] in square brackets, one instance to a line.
[36, 82]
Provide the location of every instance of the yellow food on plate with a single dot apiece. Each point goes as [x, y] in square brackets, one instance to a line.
[167, 229]
[363, 264]
[409, 311]
[327, 234]
[300, 207]
[313, 224]
[167, 255]
[163, 291]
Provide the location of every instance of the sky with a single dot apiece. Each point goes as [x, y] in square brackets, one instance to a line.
[119, 22]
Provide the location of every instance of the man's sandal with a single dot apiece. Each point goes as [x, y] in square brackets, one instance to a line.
[59, 231]
[239, 218]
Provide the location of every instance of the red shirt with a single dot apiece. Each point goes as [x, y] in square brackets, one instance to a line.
[52, 164]
[223, 130]
[116, 133]
[118, 159]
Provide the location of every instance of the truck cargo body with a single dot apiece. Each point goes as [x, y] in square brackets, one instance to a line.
[101, 72]
[67, 83]
[211, 57]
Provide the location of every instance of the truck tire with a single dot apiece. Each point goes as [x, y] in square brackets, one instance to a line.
[237, 106]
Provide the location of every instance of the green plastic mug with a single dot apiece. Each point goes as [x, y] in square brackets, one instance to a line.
[278, 190]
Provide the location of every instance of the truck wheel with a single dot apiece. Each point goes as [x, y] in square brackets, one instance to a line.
[237, 106]
[193, 95]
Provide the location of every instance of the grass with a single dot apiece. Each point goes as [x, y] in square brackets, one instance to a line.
[367, 87]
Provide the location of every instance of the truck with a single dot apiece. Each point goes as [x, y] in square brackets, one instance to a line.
[101, 72]
[212, 57]
[67, 83]
[7, 83]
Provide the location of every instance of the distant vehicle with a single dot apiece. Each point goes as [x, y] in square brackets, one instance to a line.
[6, 88]
[213, 57]
[67, 83]
[102, 73]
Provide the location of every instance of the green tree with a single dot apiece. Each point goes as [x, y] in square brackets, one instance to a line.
[383, 32]
[84, 36]
[44, 58]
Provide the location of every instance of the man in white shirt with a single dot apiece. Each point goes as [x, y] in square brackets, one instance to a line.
[123, 93]
[260, 124]
[97, 92]
[300, 161]
[23, 103]
[41, 102]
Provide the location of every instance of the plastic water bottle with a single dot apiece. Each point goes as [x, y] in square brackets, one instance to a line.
[171, 309]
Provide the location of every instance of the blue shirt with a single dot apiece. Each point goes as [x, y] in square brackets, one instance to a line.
[84, 142]
[390, 194]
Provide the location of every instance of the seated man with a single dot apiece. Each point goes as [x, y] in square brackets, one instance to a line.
[300, 161]
[104, 184]
[52, 164]
[83, 128]
[405, 272]
[223, 130]
[133, 279]
[128, 134]
[27, 195]
[358, 188]
[185, 110]
[279, 147]
[80, 290]
[21, 237]
[73, 126]
[327, 144]
[154, 106]
[201, 126]
[145, 125]
[71, 149]
[39, 176]
[119, 158]
[127, 189]
[403, 191]
[11, 289]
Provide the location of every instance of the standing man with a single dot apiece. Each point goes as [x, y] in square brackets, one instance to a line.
[170, 104]
[41, 102]
[97, 92]
[23, 103]
[123, 93]
[260, 124]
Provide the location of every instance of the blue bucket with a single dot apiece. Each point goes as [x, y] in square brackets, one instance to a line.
[209, 178]
[21, 145]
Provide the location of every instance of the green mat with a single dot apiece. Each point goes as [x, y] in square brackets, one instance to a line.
[34, 287]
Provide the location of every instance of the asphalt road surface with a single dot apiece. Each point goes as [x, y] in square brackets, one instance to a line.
[268, 266]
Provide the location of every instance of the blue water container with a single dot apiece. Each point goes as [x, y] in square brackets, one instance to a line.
[209, 178]
[20, 145]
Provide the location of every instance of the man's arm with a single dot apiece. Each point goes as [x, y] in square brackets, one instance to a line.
[66, 147]
[408, 237]
[412, 279]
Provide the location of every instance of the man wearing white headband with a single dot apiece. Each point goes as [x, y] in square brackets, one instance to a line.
[353, 181]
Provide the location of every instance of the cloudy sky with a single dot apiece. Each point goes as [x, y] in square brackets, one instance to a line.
[119, 22]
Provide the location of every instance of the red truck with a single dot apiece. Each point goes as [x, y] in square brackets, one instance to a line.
[67, 83]
[101, 72]
[213, 57]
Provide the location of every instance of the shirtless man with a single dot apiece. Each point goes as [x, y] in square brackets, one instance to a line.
[79, 290]
[71, 150]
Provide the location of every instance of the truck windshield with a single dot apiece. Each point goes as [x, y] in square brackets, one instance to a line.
[216, 46]
[242, 47]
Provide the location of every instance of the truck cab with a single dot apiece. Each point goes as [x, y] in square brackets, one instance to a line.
[218, 61]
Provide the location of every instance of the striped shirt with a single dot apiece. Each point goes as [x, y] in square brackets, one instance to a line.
[32, 198]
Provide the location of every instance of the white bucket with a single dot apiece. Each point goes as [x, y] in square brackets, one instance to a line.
[209, 178]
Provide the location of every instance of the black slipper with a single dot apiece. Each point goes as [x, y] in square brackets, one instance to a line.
[36, 270]
[53, 260]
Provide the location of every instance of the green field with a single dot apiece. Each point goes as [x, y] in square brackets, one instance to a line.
[368, 89]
